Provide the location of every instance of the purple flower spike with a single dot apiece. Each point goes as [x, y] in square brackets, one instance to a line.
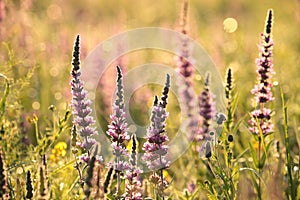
[262, 90]
[184, 67]
[261, 118]
[81, 104]
[155, 147]
[207, 111]
[118, 129]
[133, 186]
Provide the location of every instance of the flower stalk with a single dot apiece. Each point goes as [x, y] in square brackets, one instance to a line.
[260, 122]
[155, 147]
[118, 130]
[81, 106]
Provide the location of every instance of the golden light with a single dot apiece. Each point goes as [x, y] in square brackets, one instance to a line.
[36, 105]
[230, 25]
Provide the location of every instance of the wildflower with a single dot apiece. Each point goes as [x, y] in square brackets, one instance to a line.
[108, 179]
[185, 68]
[43, 190]
[118, 129]
[81, 105]
[260, 118]
[58, 151]
[29, 188]
[94, 188]
[155, 148]
[220, 118]
[229, 84]
[228, 95]
[207, 111]
[191, 187]
[133, 188]
[261, 121]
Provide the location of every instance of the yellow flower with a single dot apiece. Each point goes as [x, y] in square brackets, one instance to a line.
[58, 151]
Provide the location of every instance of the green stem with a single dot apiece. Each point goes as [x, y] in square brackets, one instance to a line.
[259, 170]
[291, 186]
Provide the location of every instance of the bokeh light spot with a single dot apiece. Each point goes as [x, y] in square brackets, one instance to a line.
[54, 12]
[57, 95]
[230, 25]
[36, 105]
[198, 77]
[54, 72]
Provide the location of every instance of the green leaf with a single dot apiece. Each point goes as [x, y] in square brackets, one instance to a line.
[6, 92]
[254, 155]
[265, 154]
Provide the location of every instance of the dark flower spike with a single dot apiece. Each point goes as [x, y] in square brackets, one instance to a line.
[29, 188]
[120, 95]
[133, 160]
[42, 183]
[165, 92]
[207, 110]
[3, 178]
[229, 84]
[108, 179]
[269, 22]
[89, 177]
[76, 55]
[208, 153]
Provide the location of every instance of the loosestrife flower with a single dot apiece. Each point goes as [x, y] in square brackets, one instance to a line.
[81, 106]
[186, 69]
[261, 118]
[155, 147]
[118, 130]
[207, 111]
[133, 187]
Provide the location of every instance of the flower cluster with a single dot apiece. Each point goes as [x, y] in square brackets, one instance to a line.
[185, 68]
[207, 111]
[59, 151]
[155, 148]
[133, 187]
[260, 119]
[81, 105]
[118, 129]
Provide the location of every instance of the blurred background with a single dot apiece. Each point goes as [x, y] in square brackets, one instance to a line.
[41, 35]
